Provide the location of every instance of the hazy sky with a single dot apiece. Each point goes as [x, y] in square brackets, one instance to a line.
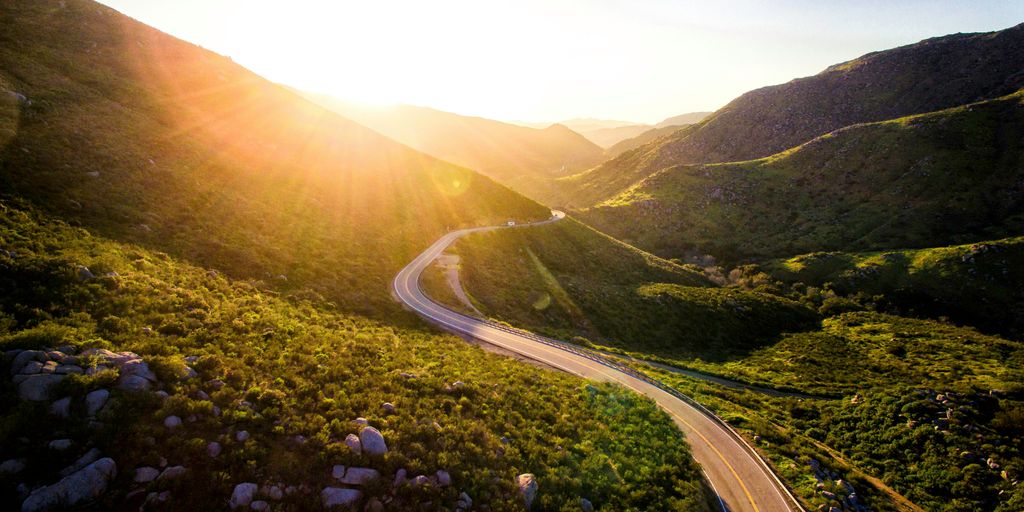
[546, 60]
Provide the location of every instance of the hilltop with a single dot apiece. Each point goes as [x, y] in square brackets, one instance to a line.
[522, 158]
[119, 128]
[943, 178]
[931, 75]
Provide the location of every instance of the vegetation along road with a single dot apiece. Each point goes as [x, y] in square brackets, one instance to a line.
[739, 477]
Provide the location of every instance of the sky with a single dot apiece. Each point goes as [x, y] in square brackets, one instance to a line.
[551, 60]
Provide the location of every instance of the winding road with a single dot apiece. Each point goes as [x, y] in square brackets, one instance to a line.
[740, 478]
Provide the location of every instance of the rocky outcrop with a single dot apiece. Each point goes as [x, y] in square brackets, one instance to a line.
[80, 487]
[527, 488]
[243, 495]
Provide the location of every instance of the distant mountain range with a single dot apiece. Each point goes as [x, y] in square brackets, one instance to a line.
[930, 75]
[525, 159]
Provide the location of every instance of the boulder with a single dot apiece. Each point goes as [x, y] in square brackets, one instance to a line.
[138, 368]
[24, 357]
[31, 368]
[12, 466]
[66, 369]
[443, 478]
[213, 449]
[61, 408]
[172, 422]
[95, 401]
[354, 444]
[37, 387]
[273, 492]
[420, 481]
[242, 495]
[465, 502]
[359, 476]
[49, 367]
[388, 407]
[400, 478]
[362, 422]
[527, 488]
[80, 487]
[372, 441]
[260, 506]
[586, 505]
[91, 456]
[84, 274]
[338, 472]
[60, 444]
[337, 497]
[242, 436]
[173, 472]
[146, 474]
[133, 383]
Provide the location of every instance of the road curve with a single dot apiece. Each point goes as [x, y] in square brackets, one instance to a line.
[740, 478]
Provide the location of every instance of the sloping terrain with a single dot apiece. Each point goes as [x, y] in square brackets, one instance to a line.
[293, 374]
[640, 140]
[118, 127]
[525, 159]
[931, 75]
[944, 178]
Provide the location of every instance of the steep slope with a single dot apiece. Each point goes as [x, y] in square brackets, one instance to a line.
[684, 119]
[608, 137]
[118, 127]
[525, 159]
[943, 178]
[570, 281]
[643, 138]
[293, 375]
[933, 74]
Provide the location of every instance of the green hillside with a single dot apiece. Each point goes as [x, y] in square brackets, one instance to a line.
[979, 284]
[567, 280]
[525, 159]
[115, 126]
[950, 177]
[302, 369]
[931, 75]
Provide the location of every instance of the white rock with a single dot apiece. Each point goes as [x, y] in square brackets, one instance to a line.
[12, 466]
[443, 478]
[173, 472]
[243, 494]
[361, 421]
[338, 497]
[213, 449]
[172, 422]
[61, 408]
[146, 474]
[388, 407]
[60, 444]
[133, 383]
[95, 401]
[82, 486]
[37, 387]
[24, 357]
[372, 441]
[242, 436]
[420, 481]
[338, 472]
[359, 476]
[91, 456]
[527, 487]
[354, 444]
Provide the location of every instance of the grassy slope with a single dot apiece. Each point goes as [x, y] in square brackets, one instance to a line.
[980, 285]
[196, 156]
[897, 431]
[525, 159]
[942, 178]
[569, 280]
[310, 370]
[933, 74]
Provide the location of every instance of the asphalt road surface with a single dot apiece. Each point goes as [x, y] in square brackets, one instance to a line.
[741, 480]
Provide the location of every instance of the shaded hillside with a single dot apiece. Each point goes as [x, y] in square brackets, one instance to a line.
[933, 74]
[115, 126]
[292, 374]
[980, 284]
[570, 281]
[608, 137]
[525, 159]
[949, 177]
[684, 119]
[640, 140]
